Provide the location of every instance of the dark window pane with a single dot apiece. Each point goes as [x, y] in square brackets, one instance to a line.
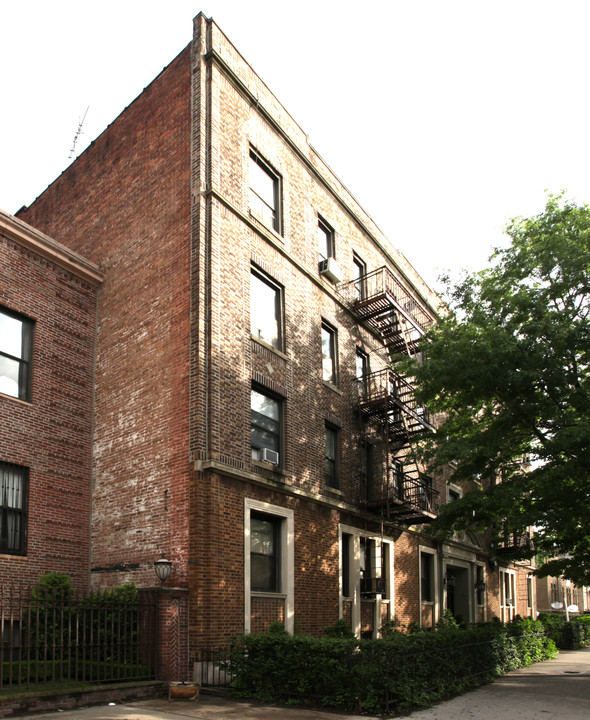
[426, 577]
[264, 553]
[12, 508]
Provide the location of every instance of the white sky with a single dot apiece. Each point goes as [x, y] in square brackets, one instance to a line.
[445, 118]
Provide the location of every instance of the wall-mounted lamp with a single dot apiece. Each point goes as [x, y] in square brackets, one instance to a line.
[163, 568]
[480, 585]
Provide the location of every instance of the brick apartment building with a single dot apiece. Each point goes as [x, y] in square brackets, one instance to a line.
[48, 297]
[249, 422]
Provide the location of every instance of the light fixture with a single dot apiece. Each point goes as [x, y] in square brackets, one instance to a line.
[163, 568]
[480, 585]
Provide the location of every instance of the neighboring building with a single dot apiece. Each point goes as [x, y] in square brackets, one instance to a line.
[48, 298]
[555, 594]
[249, 423]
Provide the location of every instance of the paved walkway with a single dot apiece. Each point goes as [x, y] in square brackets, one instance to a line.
[558, 688]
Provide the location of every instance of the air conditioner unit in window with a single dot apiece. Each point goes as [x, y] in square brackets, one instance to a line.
[372, 586]
[270, 456]
[330, 269]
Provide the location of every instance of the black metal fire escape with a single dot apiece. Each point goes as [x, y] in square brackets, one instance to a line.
[386, 398]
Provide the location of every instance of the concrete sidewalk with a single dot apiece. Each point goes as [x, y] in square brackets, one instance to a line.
[560, 688]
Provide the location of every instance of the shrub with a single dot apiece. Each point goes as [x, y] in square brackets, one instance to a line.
[397, 672]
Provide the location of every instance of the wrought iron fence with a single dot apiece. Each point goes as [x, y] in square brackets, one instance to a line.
[212, 667]
[73, 637]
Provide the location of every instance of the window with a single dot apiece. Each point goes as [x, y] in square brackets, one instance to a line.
[347, 589]
[266, 310]
[454, 494]
[266, 425]
[269, 558]
[13, 504]
[265, 553]
[366, 463]
[426, 577]
[264, 191]
[480, 584]
[529, 591]
[331, 457]
[16, 335]
[325, 240]
[359, 272]
[507, 595]
[329, 345]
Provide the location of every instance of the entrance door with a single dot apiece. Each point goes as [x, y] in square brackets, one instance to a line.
[457, 591]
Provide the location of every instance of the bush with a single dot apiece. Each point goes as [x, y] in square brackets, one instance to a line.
[567, 635]
[396, 672]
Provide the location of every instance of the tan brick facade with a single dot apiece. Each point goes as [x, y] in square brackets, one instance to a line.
[162, 202]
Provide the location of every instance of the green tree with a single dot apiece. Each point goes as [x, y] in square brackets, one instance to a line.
[507, 368]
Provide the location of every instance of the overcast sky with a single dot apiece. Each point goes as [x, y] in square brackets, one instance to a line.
[445, 118]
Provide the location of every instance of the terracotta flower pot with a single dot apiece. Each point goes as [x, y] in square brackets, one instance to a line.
[183, 691]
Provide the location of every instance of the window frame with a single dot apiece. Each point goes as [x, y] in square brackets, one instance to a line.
[25, 361]
[278, 343]
[275, 211]
[331, 359]
[359, 279]
[287, 561]
[261, 390]
[330, 237]
[20, 512]
[507, 609]
[274, 585]
[332, 480]
[426, 574]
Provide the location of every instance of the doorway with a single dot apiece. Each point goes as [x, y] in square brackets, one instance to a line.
[457, 592]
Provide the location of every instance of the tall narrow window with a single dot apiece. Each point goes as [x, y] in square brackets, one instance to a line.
[325, 240]
[480, 584]
[265, 188]
[347, 590]
[329, 373]
[266, 427]
[265, 553]
[366, 471]
[331, 457]
[16, 335]
[266, 310]
[426, 577]
[13, 505]
[359, 272]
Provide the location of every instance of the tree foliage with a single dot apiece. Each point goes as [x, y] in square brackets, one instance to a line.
[507, 369]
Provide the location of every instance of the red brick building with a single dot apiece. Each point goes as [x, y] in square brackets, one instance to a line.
[248, 424]
[48, 300]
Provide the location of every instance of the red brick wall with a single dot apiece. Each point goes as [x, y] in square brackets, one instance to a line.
[51, 434]
[125, 203]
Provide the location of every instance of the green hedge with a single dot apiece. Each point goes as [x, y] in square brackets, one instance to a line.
[567, 635]
[375, 676]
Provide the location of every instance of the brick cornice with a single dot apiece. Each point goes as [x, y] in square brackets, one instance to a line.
[41, 244]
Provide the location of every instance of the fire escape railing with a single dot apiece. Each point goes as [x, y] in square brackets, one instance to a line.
[379, 299]
[387, 396]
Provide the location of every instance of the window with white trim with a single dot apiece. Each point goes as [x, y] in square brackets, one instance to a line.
[507, 595]
[269, 557]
